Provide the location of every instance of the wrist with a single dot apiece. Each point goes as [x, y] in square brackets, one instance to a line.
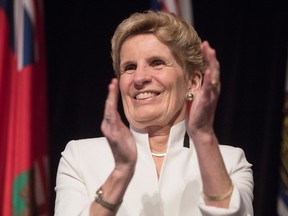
[221, 197]
[99, 198]
[206, 136]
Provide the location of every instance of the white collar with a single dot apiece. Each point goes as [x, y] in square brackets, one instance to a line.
[176, 137]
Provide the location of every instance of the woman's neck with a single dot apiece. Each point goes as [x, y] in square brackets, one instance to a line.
[158, 144]
[158, 147]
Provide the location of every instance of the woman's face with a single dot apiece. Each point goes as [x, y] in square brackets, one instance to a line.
[152, 84]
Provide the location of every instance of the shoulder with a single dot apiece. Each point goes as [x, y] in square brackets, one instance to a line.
[90, 147]
[86, 160]
[98, 142]
[232, 152]
[83, 155]
[234, 155]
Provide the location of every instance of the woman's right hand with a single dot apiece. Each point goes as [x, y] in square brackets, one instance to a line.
[124, 150]
[117, 133]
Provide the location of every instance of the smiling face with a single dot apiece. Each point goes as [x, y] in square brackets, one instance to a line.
[152, 84]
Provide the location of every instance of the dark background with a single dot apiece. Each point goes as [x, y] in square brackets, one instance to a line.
[251, 42]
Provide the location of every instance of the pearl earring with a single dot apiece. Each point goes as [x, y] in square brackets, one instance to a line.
[189, 96]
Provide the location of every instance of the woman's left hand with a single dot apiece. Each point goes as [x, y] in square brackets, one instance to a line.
[215, 178]
[201, 113]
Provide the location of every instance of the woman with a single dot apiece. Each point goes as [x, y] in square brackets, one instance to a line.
[168, 162]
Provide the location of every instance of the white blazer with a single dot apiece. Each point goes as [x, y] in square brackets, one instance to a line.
[85, 165]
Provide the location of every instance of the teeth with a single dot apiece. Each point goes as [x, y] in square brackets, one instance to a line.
[145, 95]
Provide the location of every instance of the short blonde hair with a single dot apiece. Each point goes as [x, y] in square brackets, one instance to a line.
[170, 29]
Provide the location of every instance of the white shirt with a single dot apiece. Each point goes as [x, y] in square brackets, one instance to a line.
[86, 164]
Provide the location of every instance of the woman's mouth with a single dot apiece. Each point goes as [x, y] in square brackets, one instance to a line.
[145, 95]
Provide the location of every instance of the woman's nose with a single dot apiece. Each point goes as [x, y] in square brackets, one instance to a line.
[142, 76]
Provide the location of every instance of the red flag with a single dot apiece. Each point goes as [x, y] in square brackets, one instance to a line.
[23, 115]
[180, 7]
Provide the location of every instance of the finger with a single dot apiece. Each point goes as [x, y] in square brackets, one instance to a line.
[211, 80]
[111, 101]
[213, 66]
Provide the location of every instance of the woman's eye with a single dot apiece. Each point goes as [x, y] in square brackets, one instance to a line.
[129, 68]
[158, 64]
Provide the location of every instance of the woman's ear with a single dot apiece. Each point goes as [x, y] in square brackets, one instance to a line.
[196, 82]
